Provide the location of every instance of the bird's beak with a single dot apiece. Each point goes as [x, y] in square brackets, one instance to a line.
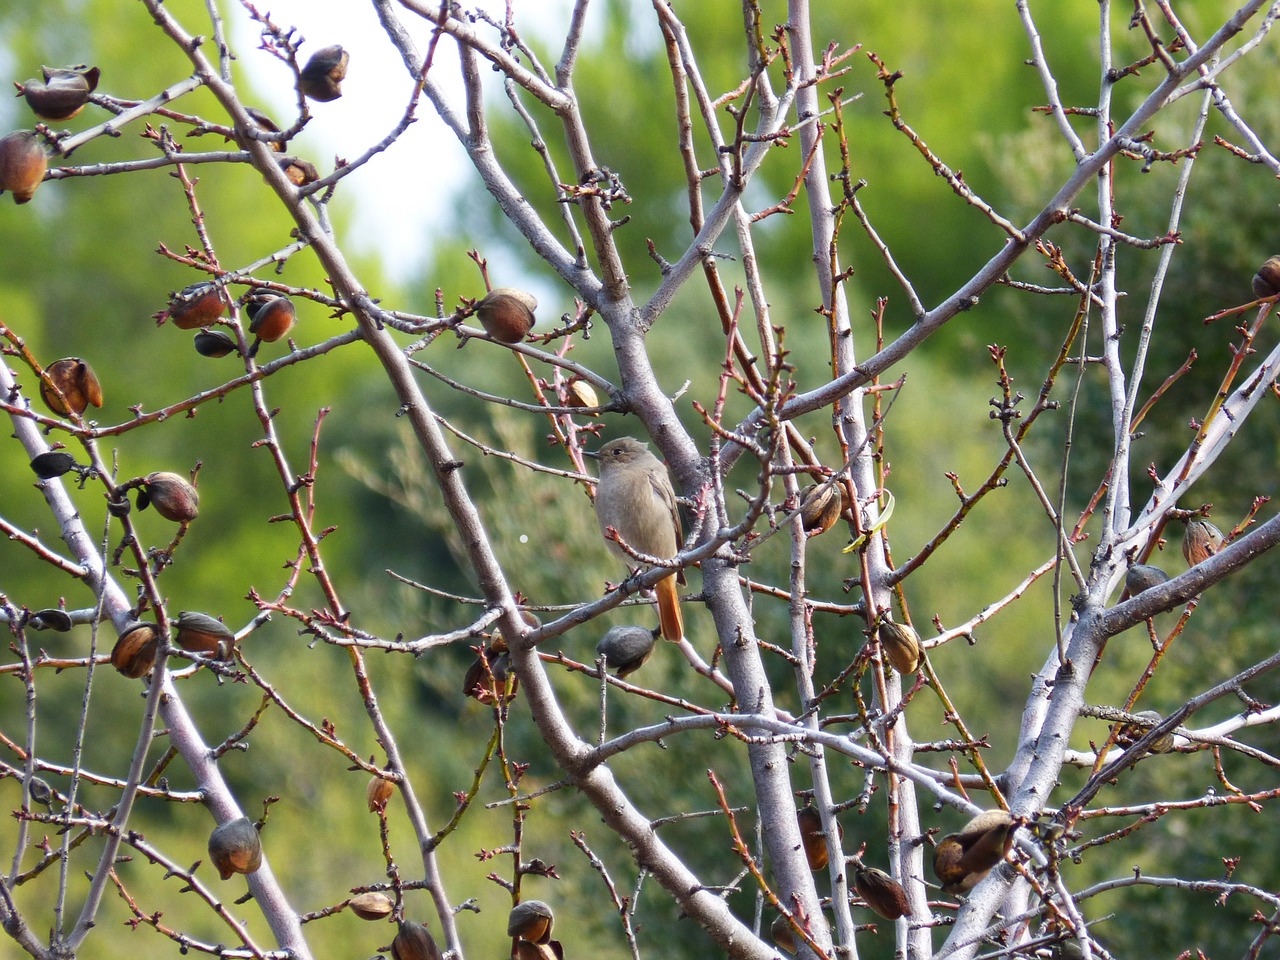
[593, 454]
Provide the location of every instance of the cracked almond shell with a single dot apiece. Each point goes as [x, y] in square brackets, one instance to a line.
[77, 383]
[135, 651]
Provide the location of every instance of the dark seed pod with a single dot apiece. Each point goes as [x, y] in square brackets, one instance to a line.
[120, 507]
[414, 942]
[52, 463]
[172, 496]
[507, 314]
[813, 837]
[299, 172]
[821, 507]
[1143, 576]
[371, 905]
[214, 343]
[901, 646]
[201, 633]
[1266, 282]
[531, 920]
[23, 164]
[880, 892]
[197, 305]
[378, 792]
[51, 619]
[135, 651]
[783, 936]
[627, 648]
[62, 93]
[321, 79]
[1130, 733]
[1201, 541]
[235, 847]
[272, 320]
[76, 382]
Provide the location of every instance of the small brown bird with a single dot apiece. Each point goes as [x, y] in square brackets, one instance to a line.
[635, 499]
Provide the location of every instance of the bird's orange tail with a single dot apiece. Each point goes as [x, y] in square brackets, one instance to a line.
[669, 610]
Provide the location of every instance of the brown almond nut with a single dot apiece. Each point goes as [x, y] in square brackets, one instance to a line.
[813, 838]
[173, 497]
[1200, 541]
[371, 905]
[581, 395]
[23, 164]
[197, 305]
[901, 646]
[203, 634]
[378, 792]
[135, 651]
[880, 892]
[1266, 282]
[507, 314]
[414, 942]
[783, 936]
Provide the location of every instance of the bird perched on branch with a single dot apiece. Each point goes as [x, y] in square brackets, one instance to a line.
[635, 499]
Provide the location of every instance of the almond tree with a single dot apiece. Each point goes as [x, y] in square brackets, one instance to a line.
[994, 886]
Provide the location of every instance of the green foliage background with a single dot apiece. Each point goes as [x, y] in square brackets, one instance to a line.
[79, 276]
